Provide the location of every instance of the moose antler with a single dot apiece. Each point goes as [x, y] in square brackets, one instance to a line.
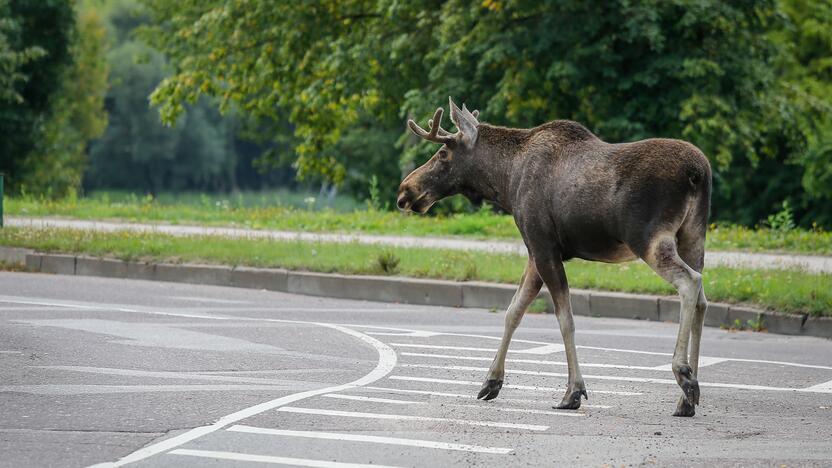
[443, 132]
[436, 134]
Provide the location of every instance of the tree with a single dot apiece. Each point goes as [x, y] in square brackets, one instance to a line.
[701, 70]
[58, 160]
[137, 152]
[35, 40]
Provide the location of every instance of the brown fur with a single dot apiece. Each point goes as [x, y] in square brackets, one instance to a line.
[573, 195]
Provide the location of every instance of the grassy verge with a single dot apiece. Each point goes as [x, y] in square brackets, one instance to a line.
[480, 225]
[781, 290]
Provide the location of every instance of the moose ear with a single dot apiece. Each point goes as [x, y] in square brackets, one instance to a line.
[465, 122]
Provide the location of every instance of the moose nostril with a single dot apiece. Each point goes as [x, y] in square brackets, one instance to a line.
[402, 202]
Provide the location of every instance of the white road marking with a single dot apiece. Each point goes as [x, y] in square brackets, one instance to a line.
[208, 299]
[629, 379]
[135, 309]
[371, 439]
[413, 334]
[516, 387]
[10, 352]
[273, 460]
[166, 375]
[457, 348]
[467, 396]
[386, 363]
[80, 389]
[371, 399]
[407, 417]
[825, 387]
[619, 350]
[704, 361]
[545, 349]
[527, 361]
[566, 413]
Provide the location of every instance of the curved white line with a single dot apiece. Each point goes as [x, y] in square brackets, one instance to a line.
[386, 362]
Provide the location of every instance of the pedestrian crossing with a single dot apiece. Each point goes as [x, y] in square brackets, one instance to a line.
[426, 402]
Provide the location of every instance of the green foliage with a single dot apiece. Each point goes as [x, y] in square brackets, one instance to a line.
[757, 325]
[136, 151]
[374, 202]
[388, 262]
[538, 306]
[783, 220]
[745, 81]
[36, 38]
[57, 162]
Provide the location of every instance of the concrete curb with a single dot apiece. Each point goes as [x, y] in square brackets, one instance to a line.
[410, 290]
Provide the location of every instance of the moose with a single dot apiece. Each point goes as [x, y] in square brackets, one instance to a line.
[573, 195]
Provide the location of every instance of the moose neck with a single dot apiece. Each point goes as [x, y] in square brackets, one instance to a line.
[490, 176]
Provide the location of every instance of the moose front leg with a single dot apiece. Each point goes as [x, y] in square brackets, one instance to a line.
[530, 285]
[554, 276]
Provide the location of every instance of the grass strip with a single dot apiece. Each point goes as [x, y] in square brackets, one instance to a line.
[481, 225]
[779, 290]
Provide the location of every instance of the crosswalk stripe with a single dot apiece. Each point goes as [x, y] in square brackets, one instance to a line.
[273, 460]
[371, 439]
[516, 387]
[372, 399]
[468, 396]
[407, 417]
[528, 361]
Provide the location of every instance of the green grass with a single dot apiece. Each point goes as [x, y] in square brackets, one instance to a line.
[279, 211]
[781, 290]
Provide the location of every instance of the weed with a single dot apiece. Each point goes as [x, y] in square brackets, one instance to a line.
[783, 220]
[374, 202]
[757, 325]
[388, 262]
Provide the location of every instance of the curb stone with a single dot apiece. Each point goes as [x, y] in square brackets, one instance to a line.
[408, 290]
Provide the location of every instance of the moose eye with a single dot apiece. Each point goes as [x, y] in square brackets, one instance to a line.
[444, 155]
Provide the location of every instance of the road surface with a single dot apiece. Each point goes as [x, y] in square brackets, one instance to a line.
[809, 263]
[111, 372]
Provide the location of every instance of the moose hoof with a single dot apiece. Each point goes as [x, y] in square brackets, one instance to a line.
[490, 389]
[689, 385]
[572, 400]
[684, 409]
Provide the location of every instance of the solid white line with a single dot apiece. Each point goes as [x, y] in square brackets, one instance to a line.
[704, 361]
[545, 349]
[407, 417]
[371, 399]
[516, 387]
[566, 413]
[619, 350]
[470, 397]
[458, 348]
[413, 334]
[528, 361]
[165, 374]
[371, 439]
[630, 379]
[825, 387]
[386, 363]
[273, 460]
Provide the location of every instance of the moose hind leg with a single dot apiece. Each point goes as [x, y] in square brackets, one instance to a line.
[664, 259]
[530, 286]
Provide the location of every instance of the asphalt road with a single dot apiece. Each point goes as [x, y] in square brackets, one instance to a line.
[110, 371]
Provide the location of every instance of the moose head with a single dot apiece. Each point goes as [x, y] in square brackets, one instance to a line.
[444, 173]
